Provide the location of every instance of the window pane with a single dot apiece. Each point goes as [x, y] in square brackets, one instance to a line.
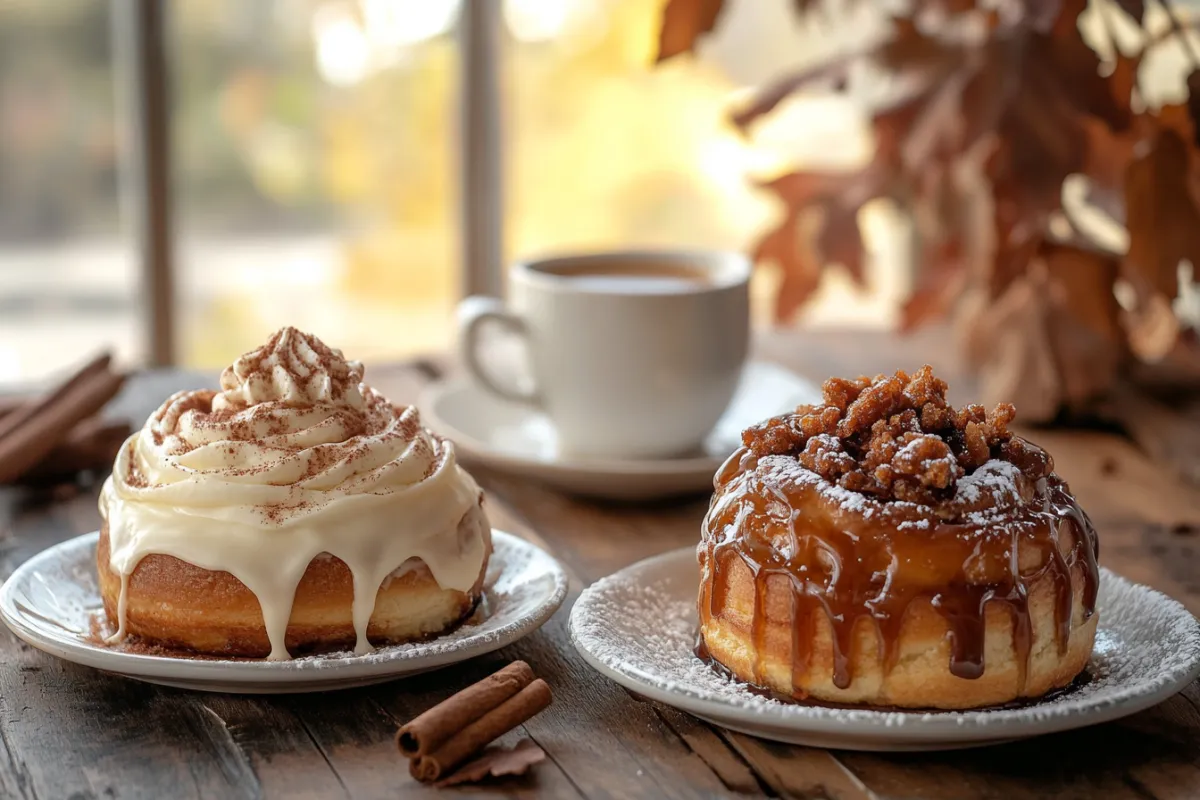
[68, 278]
[608, 150]
[314, 172]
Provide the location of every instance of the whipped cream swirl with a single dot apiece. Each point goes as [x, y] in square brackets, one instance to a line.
[294, 457]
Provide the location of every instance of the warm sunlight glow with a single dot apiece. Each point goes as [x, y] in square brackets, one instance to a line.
[401, 23]
[542, 20]
[343, 56]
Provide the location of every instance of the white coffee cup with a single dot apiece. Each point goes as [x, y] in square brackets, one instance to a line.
[634, 354]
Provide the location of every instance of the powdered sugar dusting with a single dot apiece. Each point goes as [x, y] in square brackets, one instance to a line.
[995, 480]
[981, 498]
[641, 624]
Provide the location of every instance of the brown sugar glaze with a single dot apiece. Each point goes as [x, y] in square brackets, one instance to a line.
[884, 495]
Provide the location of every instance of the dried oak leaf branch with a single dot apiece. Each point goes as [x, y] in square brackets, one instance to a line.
[1015, 103]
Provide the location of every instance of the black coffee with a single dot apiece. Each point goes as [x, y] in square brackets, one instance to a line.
[633, 278]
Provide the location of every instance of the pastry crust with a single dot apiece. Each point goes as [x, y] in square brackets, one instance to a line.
[883, 548]
[175, 604]
[920, 676]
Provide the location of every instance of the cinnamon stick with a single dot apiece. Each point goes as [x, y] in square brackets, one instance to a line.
[30, 407]
[430, 731]
[473, 738]
[91, 445]
[10, 403]
[29, 434]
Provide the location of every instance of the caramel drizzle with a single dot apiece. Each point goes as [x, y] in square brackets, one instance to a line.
[845, 591]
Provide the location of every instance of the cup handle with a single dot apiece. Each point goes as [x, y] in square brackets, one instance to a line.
[474, 314]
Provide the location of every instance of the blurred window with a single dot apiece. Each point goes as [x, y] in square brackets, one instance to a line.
[314, 147]
[315, 168]
[68, 275]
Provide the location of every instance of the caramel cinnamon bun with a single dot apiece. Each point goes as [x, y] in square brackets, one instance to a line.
[296, 509]
[884, 548]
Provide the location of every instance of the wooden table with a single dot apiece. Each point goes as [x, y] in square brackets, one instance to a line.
[71, 732]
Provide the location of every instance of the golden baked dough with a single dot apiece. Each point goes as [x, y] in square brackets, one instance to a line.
[175, 604]
[885, 549]
[295, 509]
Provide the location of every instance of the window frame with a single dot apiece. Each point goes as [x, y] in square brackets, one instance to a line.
[140, 34]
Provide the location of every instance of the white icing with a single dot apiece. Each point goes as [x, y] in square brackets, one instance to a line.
[295, 459]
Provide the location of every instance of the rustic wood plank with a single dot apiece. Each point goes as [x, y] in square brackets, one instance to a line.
[66, 731]
[643, 755]
[609, 745]
[730, 767]
[284, 758]
[595, 540]
[800, 772]
[1149, 755]
[77, 732]
[1176, 777]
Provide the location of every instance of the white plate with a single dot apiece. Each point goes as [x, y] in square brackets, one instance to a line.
[50, 600]
[517, 438]
[638, 627]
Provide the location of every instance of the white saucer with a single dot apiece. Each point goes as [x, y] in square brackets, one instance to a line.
[50, 601]
[516, 438]
[638, 627]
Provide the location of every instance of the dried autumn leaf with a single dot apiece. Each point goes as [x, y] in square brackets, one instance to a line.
[953, 6]
[497, 762]
[1064, 69]
[1016, 242]
[1134, 8]
[909, 49]
[1045, 16]
[1193, 106]
[1039, 148]
[1122, 80]
[1106, 156]
[934, 296]
[1085, 331]
[1153, 328]
[1051, 341]
[1017, 363]
[799, 189]
[1060, 17]
[923, 61]
[840, 241]
[1162, 218]
[989, 91]
[1175, 374]
[1020, 83]
[1086, 279]
[683, 22]
[1177, 117]
[765, 101]
[799, 272]
[893, 126]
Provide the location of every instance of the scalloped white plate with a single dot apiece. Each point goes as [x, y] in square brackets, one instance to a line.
[49, 601]
[638, 628]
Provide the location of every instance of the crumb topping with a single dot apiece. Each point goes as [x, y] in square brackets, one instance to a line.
[895, 437]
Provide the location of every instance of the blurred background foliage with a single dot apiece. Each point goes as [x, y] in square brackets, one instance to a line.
[315, 163]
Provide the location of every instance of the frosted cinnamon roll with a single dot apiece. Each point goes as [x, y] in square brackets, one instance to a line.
[296, 509]
[885, 548]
